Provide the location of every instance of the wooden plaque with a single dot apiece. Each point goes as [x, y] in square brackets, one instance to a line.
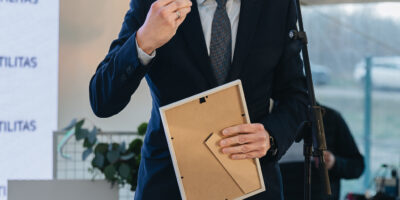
[193, 128]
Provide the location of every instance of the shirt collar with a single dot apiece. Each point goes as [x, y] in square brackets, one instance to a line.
[201, 2]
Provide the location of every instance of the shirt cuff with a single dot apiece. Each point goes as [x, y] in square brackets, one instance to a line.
[144, 58]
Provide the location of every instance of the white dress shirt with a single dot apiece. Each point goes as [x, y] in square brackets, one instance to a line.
[206, 10]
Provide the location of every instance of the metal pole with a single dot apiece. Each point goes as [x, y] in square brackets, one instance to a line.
[317, 132]
[314, 142]
[307, 151]
[367, 121]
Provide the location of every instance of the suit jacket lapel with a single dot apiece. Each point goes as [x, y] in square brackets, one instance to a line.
[194, 36]
[249, 15]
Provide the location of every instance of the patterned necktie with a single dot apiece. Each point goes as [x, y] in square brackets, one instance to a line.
[221, 42]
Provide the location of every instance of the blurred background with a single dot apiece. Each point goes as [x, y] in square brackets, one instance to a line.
[342, 36]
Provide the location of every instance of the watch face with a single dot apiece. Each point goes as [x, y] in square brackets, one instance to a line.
[271, 141]
[272, 150]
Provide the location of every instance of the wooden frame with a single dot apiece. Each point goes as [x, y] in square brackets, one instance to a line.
[192, 128]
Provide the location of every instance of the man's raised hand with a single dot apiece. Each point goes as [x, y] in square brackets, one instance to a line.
[162, 21]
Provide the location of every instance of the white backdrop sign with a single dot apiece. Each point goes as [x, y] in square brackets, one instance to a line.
[28, 88]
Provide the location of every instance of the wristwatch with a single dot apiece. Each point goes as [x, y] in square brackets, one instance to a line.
[273, 150]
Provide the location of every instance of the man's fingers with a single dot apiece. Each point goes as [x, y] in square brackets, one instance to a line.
[176, 11]
[243, 139]
[161, 3]
[259, 146]
[183, 4]
[183, 12]
[177, 5]
[249, 155]
[243, 128]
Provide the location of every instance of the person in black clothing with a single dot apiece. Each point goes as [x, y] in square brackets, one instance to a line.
[343, 160]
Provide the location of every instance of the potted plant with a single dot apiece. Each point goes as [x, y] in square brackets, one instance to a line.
[119, 162]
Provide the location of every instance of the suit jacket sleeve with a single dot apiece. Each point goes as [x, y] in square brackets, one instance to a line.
[349, 163]
[120, 73]
[289, 93]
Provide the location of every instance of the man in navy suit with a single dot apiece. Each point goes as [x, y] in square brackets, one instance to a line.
[185, 47]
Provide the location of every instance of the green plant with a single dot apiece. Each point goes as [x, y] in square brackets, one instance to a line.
[117, 161]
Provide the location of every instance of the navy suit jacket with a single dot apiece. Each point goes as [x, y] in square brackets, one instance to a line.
[265, 59]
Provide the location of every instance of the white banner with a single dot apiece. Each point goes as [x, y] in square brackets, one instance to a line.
[28, 88]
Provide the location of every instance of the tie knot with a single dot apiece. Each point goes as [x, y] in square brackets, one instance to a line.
[221, 3]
